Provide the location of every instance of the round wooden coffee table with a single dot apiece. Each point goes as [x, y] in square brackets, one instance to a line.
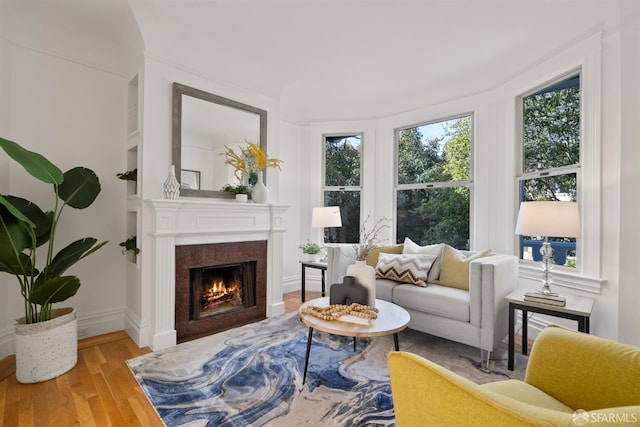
[391, 320]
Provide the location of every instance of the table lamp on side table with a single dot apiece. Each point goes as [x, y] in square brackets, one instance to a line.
[548, 219]
[324, 217]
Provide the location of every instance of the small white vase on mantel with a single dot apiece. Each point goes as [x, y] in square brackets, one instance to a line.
[260, 192]
[366, 276]
[171, 185]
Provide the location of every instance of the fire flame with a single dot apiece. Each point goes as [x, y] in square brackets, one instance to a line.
[220, 292]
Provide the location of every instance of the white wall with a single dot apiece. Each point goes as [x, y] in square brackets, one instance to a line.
[6, 284]
[611, 229]
[73, 114]
[294, 185]
[629, 108]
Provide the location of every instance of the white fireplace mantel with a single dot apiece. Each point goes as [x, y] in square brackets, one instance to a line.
[190, 221]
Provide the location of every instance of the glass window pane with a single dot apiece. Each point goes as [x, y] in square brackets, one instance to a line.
[342, 160]
[349, 202]
[435, 215]
[436, 152]
[560, 187]
[551, 132]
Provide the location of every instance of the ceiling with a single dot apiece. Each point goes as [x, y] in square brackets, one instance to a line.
[335, 59]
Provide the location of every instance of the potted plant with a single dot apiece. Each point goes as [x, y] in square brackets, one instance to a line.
[252, 159]
[240, 190]
[46, 339]
[130, 245]
[310, 250]
[128, 175]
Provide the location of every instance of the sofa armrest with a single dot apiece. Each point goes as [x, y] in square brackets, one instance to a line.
[339, 257]
[425, 393]
[491, 279]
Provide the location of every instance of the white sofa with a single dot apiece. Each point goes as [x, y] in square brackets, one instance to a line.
[477, 317]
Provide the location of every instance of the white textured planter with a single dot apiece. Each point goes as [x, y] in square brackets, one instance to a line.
[47, 349]
[242, 198]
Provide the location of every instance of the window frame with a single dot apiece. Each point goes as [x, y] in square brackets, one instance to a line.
[586, 276]
[352, 188]
[441, 184]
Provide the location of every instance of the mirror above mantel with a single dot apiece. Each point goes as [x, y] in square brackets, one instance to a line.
[203, 124]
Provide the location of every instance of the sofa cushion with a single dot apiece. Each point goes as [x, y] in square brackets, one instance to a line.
[434, 299]
[410, 247]
[384, 289]
[454, 270]
[406, 268]
[372, 257]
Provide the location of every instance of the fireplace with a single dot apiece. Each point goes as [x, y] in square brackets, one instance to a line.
[219, 286]
[221, 289]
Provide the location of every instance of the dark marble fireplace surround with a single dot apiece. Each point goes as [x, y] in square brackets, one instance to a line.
[207, 255]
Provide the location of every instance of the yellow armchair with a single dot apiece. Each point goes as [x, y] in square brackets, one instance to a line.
[572, 379]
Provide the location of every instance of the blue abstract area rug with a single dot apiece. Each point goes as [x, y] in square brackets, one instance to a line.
[252, 376]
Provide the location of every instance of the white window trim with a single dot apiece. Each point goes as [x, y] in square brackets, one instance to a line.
[351, 188]
[585, 58]
[419, 186]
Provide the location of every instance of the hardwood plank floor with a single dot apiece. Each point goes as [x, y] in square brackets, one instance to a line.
[99, 391]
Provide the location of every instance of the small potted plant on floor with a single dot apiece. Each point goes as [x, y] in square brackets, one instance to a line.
[240, 190]
[310, 251]
[46, 338]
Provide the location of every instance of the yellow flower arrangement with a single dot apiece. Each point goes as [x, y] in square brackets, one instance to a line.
[250, 157]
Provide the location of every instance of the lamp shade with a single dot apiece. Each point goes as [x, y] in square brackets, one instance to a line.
[549, 219]
[327, 216]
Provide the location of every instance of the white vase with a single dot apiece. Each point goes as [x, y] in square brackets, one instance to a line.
[260, 192]
[366, 276]
[48, 349]
[171, 185]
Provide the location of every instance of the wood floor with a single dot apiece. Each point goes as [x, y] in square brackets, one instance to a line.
[99, 391]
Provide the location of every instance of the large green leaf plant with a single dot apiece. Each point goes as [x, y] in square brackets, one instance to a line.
[24, 227]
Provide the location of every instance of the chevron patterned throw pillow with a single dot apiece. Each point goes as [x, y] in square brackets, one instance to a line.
[405, 268]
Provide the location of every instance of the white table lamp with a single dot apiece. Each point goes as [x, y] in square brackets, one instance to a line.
[548, 219]
[326, 216]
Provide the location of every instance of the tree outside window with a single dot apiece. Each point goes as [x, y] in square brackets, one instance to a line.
[551, 157]
[433, 189]
[342, 184]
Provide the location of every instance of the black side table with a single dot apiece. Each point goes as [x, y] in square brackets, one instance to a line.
[318, 265]
[577, 308]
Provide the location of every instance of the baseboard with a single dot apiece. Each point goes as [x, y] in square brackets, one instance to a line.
[89, 325]
[294, 283]
[137, 329]
[7, 344]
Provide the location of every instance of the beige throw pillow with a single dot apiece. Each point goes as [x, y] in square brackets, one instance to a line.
[411, 247]
[405, 268]
[454, 271]
[372, 257]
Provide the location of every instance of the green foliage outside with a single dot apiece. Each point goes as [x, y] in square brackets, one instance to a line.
[551, 135]
[342, 171]
[433, 199]
[437, 210]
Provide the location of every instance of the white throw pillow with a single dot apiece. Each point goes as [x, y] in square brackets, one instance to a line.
[405, 268]
[410, 247]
